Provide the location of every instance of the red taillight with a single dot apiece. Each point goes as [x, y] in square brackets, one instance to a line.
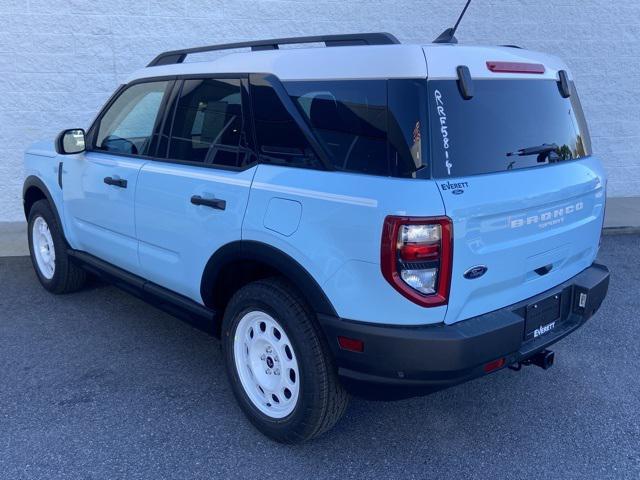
[415, 257]
[515, 67]
[411, 252]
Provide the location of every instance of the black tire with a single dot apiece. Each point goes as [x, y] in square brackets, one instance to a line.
[322, 400]
[67, 276]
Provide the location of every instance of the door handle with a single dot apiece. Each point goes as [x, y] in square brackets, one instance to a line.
[209, 202]
[116, 182]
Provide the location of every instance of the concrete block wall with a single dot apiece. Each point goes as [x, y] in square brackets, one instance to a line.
[61, 59]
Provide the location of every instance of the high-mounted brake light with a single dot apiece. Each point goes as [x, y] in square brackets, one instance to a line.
[415, 257]
[515, 67]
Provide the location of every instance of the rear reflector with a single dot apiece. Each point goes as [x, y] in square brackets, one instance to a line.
[351, 344]
[515, 67]
[494, 365]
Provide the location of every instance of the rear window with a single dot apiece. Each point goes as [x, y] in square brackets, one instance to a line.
[207, 122]
[471, 137]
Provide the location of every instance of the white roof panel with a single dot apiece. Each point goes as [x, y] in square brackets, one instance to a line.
[379, 61]
[365, 62]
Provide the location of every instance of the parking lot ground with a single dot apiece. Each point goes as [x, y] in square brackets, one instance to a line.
[98, 384]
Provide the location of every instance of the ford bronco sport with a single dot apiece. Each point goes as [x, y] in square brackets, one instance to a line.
[373, 217]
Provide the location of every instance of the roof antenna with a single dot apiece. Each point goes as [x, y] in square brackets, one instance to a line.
[448, 36]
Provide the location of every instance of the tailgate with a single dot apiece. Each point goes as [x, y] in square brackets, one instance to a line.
[532, 229]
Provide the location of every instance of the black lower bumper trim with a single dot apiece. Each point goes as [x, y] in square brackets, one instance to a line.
[405, 361]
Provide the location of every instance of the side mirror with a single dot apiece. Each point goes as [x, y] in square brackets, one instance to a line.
[70, 141]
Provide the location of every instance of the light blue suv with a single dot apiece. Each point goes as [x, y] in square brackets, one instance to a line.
[366, 217]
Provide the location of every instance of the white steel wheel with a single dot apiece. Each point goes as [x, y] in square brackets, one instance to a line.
[43, 248]
[266, 364]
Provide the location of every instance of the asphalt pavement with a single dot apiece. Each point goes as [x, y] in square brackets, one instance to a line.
[98, 384]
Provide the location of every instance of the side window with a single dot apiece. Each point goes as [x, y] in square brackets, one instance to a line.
[207, 126]
[349, 118]
[407, 127]
[280, 140]
[128, 125]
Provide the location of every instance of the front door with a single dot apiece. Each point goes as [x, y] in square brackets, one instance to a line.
[99, 186]
[192, 202]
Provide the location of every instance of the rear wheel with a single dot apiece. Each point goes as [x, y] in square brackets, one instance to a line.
[266, 364]
[48, 251]
[278, 364]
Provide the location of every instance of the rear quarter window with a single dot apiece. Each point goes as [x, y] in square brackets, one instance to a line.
[349, 120]
[280, 139]
[366, 126]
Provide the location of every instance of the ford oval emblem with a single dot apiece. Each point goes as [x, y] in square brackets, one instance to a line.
[458, 191]
[475, 272]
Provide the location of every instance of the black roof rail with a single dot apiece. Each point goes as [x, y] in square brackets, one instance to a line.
[377, 38]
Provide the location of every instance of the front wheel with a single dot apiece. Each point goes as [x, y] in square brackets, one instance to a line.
[278, 364]
[48, 250]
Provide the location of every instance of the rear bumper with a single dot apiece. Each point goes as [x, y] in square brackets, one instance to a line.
[405, 361]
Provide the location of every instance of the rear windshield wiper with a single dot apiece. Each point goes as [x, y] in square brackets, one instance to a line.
[543, 151]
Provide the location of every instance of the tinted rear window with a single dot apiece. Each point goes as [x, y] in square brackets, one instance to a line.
[280, 139]
[349, 119]
[207, 122]
[471, 137]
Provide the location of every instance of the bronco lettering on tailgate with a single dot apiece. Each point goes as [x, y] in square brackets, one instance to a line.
[546, 218]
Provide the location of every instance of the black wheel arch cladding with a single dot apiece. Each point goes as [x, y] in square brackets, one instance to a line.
[235, 260]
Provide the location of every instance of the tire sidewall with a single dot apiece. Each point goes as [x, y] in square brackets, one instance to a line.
[42, 209]
[294, 422]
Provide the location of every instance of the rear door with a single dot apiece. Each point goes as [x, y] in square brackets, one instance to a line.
[532, 220]
[192, 198]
